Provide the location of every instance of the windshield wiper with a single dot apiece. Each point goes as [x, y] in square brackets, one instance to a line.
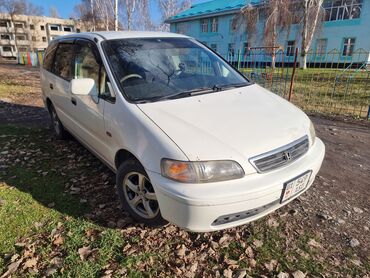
[219, 88]
[197, 91]
[189, 93]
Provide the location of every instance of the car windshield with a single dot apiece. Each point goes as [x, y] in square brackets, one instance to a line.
[154, 69]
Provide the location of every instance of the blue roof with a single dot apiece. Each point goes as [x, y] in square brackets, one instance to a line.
[214, 6]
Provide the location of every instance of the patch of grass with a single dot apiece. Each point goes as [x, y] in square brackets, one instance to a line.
[8, 90]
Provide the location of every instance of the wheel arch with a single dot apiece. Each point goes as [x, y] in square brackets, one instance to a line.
[48, 103]
[123, 155]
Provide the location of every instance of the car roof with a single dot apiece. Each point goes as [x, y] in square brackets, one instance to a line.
[112, 35]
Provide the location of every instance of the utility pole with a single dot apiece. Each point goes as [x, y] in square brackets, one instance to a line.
[115, 15]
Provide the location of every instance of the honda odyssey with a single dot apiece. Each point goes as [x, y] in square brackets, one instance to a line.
[191, 140]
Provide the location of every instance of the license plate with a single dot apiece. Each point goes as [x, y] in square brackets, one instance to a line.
[295, 186]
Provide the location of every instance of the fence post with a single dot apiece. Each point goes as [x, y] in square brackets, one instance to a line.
[368, 113]
[239, 59]
[293, 75]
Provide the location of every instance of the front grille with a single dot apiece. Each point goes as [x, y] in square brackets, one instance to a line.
[280, 157]
[242, 215]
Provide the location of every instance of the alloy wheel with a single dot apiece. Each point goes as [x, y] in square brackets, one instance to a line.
[140, 195]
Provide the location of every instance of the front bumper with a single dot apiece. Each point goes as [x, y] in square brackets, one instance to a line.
[196, 207]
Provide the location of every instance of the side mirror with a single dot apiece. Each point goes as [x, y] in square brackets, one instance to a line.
[83, 86]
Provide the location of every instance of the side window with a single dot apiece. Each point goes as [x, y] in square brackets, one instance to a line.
[86, 66]
[49, 56]
[63, 65]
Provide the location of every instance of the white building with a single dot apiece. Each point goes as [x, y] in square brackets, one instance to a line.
[22, 33]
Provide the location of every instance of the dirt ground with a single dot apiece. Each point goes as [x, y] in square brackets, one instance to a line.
[336, 208]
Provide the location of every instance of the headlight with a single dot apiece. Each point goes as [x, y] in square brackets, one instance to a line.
[312, 133]
[201, 171]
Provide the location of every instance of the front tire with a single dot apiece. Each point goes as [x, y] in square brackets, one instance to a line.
[137, 195]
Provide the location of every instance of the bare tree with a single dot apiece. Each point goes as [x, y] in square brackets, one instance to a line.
[312, 17]
[96, 14]
[278, 16]
[143, 19]
[130, 8]
[170, 8]
[53, 12]
[105, 10]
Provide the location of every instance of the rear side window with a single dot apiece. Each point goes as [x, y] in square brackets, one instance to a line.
[49, 56]
[63, 65]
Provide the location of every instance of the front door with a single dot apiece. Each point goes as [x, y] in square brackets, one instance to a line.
[89, 109]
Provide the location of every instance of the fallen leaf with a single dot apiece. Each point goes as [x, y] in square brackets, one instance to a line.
[228, 273]
[181, 251]
[314, 243]
[84, 252]
[59, 240]
[298, 274]
[257, 243]
[30, 263]
[249, 252]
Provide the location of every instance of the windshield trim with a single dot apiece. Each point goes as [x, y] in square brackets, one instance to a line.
[130, 100]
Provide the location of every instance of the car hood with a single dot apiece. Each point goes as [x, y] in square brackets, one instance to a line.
[235, 124]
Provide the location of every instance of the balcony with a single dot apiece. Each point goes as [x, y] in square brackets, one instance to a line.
[7, 42]
[23, 42]
[6, 30]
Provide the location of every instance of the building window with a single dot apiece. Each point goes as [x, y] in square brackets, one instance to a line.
[214, 25]
[44, 39]
[54, 27]
[20, 38]
[3, 23]
[18, 25]
[42, 27]
[7, 48]
[22, 49]
[231, 50]
[33, 38]
[232, 26]
[348, 46]
[182, 28]
[32, 27]
[342, 9]
[290, 48]
[214, 47]
[204, 25]
[78, 30]
[5, 37]
[321, 45]
[67, 29]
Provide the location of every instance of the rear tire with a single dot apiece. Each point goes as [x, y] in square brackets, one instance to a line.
[60, 132]
[137, 195]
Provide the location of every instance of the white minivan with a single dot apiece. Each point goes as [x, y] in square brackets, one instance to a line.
[191, 140]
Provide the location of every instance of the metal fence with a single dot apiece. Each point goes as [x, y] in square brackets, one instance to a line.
[331, 84]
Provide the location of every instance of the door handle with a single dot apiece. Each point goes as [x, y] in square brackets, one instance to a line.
[74, 101]
[51, 86]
